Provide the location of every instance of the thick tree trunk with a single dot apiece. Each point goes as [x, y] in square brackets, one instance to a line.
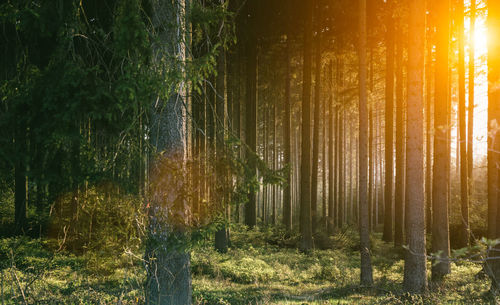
[168, 263]
[440, 227]
[306, 242]
[415, 280]
[364, 230]
[389, 124]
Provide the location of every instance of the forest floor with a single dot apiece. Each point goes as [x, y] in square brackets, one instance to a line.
[261, 267]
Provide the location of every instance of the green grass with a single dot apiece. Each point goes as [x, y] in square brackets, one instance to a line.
[261, 267]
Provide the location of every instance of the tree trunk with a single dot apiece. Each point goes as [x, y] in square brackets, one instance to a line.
[306, 242]
[287, 191]
[399, 193]
[20, 180]
[470, 118]
[389, 124]
[221, 236]
[415, 280]
[464, 184]
[440, 228]
[317, 101]
[251, 112]
[428, 121]
[331, 154]
[493, 133]
[364, 230]
[168, 263]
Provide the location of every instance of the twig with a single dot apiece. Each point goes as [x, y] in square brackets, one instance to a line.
[14, 275]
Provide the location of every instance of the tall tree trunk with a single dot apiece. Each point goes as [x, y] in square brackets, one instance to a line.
[428, 121]
[251, 111]
[168, 265]
[275, 153]
[415, 280]
[371, 202]
[389, 124]
[331, 153]
[440, 227]
[20, 179]
[317, 102]
[324, 160]
[340, 145]
[287, 191]
[221, 236]
[306, 242]
[470, 106]
[364, 230]
[494, 133]
[464, 184]
[399, 193]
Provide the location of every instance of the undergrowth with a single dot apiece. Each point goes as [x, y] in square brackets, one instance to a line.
[262, 266]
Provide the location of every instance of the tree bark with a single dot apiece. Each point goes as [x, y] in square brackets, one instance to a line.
[415, 280]
[399, 200]
[440, 227]
[287, 191]
[389, 124]
[168, 263]
[251, 111]
[464, 184]
[317, 101]
[470, 106]
[364, 230]
[306, 242]
[331, 154]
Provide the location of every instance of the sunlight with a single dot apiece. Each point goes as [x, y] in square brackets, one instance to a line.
[481, 38]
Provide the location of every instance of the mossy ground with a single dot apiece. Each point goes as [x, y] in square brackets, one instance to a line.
[261, 267]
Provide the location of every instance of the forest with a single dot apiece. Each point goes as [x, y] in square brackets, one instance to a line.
[250, 152]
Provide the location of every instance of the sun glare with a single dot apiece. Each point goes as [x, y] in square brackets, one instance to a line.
[481, 38]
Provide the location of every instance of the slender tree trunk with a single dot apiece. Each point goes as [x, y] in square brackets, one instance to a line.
[464, 184]
[341, 178]
[287, 191]
[399, 200]
[428, 139]
[389, 124]
[415, 280]
[317, 102]
[470, 113]
[221, 236]
[494, 135]
[364, 230]
[20, 180]
[275, 153]
[306, 243]
[324, 160]
[440, 227]
[251, 112]
[331, 154]
[371, 202]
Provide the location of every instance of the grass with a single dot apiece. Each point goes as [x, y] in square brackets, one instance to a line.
[261, 267]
